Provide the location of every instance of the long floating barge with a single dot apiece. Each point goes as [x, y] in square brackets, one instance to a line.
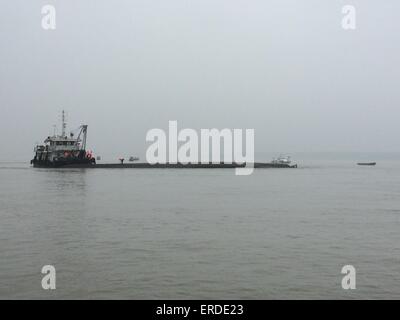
[144, 165]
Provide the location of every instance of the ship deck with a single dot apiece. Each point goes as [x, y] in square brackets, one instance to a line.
[144, 165]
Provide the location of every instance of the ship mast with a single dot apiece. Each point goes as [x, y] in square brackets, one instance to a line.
[63, 124]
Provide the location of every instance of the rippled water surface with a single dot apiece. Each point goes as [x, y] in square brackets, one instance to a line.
[201, 233]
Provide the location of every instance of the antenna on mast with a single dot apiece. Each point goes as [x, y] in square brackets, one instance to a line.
[63, 124]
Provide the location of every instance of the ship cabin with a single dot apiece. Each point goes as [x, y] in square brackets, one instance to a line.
[59, 147]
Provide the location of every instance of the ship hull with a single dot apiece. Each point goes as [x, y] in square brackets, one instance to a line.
[159, 165]
[366, 163]
[274, 165]
[84, 163]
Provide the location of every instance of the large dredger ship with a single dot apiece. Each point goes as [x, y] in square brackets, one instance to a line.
[69, 151]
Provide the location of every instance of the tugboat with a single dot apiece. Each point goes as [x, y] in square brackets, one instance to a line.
[62, 150]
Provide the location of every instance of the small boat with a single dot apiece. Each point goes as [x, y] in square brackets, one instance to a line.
[280, 162]
[366, 163]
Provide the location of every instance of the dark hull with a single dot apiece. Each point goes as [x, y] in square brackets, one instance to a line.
[273, 165]
[83, 163]
[159, 166]
[366, 163]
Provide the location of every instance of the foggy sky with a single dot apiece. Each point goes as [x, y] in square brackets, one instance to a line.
[285, 68]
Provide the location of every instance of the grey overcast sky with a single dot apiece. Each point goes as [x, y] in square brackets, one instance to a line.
[285, 68]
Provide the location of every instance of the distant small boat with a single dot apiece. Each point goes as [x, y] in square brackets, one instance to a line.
[366, 163]
[280, 162]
